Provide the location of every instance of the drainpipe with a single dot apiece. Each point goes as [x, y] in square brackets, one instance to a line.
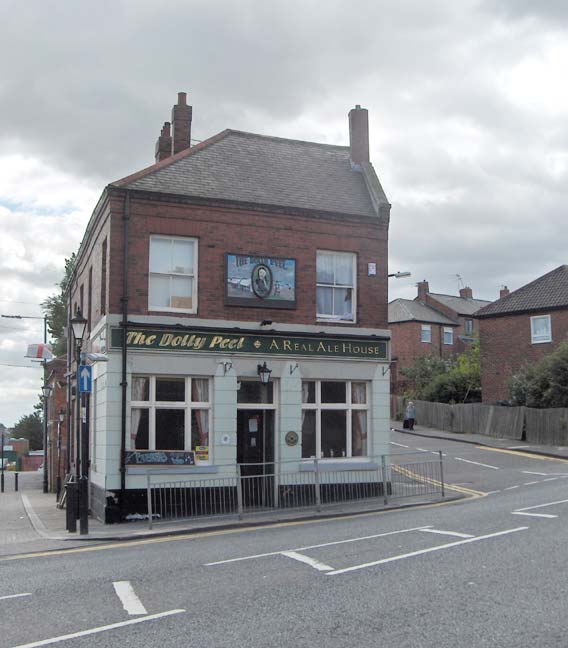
[124, 323]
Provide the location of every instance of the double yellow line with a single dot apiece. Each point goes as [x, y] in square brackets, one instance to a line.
[435, 482]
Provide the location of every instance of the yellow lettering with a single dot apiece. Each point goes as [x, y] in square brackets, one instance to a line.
[165, 340]
[286, 344]
[216, 341]
[200, 343]
[150, 340]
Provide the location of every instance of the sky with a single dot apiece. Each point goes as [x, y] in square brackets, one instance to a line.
[467, 105]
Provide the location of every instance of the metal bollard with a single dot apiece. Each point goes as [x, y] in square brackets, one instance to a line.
[16, 481]
[71, 516]
[2, 482]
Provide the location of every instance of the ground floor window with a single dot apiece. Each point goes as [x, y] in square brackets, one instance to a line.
[334, 418]
[170, 413]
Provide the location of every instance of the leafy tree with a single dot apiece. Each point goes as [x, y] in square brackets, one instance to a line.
[421, 373]
[544, 384]
[30, 427]
[55, 309]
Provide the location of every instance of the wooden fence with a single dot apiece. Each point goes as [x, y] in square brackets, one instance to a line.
[540, 426]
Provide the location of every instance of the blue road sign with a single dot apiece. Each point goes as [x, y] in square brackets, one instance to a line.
[84, 379]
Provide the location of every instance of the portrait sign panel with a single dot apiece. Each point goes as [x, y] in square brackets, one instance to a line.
[260, 281]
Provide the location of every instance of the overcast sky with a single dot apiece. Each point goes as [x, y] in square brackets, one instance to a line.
[467, 101]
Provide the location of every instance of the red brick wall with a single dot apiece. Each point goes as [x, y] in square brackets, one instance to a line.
[222, 230]
[506, 346]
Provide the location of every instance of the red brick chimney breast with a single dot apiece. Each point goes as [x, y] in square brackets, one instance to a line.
[503, 292]
[359, 135]
[164, 143]
[466, 293]
[423, 288]
[181, 124]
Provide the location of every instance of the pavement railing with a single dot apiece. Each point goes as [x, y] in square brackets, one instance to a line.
[312, 483]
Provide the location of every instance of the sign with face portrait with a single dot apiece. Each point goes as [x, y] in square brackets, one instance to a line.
[260, 281]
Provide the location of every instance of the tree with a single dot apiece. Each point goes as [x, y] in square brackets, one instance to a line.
[55, 309]
[422, 372]
[544, 384]
[30, 427]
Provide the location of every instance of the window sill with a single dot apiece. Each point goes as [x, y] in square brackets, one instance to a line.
[172, 470]
[166, 309]
[541, 341]
[333, 320]
[338, 465]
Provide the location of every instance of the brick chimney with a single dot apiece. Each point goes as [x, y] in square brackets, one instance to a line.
[359, 135]
[466, 293]
[423, 288]
[181, 124]
[164, 143]
[503, 292]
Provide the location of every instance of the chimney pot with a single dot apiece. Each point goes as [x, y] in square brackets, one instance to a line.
[359, 135]
[182, 99]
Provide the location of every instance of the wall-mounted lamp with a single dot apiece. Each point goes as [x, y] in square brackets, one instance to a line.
[227, 366]
[266, 323]
[400, 275]
[264, 372]
[293, 368]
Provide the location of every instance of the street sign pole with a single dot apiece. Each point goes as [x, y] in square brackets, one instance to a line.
[84, 375]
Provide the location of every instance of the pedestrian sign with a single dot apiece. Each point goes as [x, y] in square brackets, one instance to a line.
[84, 379]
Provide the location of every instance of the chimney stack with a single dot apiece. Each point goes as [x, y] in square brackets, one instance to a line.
[423, 288]
[164, 143]
[181, 124]
[503, 292]
[359, 135]
[466, 293]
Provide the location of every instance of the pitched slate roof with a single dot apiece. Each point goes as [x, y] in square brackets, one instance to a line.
[270, 171]
[461, 305]
[408, 310]
[548, 291]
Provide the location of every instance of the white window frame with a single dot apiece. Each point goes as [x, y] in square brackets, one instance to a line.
[188, 405]
[171, 309]
[468, 327]
[448, 330]
[426, 329]
[347, 407]
[332, 318]
[536, 339]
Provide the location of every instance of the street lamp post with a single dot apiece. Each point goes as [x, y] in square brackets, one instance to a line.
[78, 326]
[46, 390]
[2, 476]
[61, 417]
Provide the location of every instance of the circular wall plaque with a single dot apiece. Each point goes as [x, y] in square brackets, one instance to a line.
[261, 280]
[291, 438]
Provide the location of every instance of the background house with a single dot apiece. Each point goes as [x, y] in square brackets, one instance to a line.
[522, 326]
[431, 324]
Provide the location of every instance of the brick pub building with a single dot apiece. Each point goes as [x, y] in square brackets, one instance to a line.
[242, 255]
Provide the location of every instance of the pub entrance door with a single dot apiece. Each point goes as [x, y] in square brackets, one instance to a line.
[255, 454]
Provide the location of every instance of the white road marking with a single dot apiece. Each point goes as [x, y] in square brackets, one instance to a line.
[130, 602]
[550, 479]
[531, 483]
[528, 472]
[318, 546]
[539, 515]
[492, 492]
[511, 487]
[450, 533]
[476, 463]
[399, 444]
[425, 551]
[312, 562]
[84, 633]
[423, 450]
[517, 447]
[11, 596]
[530, 508]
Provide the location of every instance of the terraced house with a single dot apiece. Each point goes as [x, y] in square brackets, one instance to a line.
[238, 291]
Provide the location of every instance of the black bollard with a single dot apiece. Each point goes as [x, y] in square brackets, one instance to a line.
[71, 516]
[16, 480]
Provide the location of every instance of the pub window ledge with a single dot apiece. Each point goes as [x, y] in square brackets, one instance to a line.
[334, 465]
[172, 470]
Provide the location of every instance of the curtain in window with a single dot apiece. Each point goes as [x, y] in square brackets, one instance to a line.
[324, 268]
[359, 433]
[139, 393]
[358, 393]
[343, 270]
[200, 428]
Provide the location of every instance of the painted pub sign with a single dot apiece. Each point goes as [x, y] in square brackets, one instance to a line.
[260, 281]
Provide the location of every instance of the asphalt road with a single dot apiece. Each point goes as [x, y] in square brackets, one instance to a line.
[487, 571]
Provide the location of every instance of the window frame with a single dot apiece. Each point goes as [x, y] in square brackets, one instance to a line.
[320, 317]
[448, 330]
[426, 328]
[152, 405]
[348, 407]
[468, 327]
[534, 339]
[193, 276]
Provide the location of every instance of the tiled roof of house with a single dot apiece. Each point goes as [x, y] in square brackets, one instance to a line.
[548, 291]
[255, 169]
[462, 305]
[408, 310]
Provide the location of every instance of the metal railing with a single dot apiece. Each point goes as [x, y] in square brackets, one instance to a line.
[256, 488]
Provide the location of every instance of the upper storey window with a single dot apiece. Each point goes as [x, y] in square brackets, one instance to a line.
[173, 274]
[336, 286]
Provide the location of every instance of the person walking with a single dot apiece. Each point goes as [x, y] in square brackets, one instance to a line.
[409, 416]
